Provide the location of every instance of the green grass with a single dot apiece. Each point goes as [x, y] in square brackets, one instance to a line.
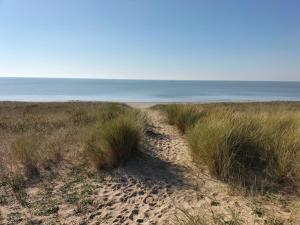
[256, 145]
[183, 116]
[116, 140]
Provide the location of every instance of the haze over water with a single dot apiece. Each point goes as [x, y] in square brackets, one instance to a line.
[60, 89]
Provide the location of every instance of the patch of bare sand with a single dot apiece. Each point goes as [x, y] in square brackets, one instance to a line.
[149, 189]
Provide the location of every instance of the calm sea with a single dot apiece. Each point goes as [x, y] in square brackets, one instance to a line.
[44, 89]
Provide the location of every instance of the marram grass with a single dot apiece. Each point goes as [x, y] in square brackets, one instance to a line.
[115, 141]
[184, 116]
[35, 137]
[246, 143]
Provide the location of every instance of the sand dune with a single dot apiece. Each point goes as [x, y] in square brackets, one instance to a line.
[152, 188]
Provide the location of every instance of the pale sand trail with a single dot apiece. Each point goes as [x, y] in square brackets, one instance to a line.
[149, 189]
[152, 187]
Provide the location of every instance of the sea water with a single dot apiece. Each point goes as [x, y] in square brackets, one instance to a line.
[65, 89]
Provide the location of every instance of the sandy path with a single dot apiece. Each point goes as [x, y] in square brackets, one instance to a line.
[149, 189]
[162, 179]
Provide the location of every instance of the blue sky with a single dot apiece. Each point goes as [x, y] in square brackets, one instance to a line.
[153, 39]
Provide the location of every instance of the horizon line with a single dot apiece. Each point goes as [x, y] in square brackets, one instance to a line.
[138, 79]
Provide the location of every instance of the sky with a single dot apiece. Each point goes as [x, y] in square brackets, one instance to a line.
[153, 39]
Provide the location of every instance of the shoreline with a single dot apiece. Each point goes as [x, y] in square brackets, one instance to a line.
[148, 104]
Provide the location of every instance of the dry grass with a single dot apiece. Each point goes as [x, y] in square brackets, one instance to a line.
[184, 217]
[36, 136]
[254, 144]
[25, 150]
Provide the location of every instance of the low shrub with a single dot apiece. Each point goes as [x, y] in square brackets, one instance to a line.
[113, 142]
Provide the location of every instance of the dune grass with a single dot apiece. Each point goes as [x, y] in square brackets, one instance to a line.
[34, 137]
[113, 142]
[254, 144]
[184, 116]
[25, 150]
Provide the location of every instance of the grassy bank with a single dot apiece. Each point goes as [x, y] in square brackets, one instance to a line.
[35, 137]
[254, 144]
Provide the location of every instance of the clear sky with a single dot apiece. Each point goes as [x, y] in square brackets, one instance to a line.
[153, 39]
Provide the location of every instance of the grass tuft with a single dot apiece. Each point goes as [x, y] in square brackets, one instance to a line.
[249, 149]
[183, 116]
[25, 151]
[112, 143]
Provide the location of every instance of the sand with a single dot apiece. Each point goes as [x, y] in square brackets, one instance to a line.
[151, 188]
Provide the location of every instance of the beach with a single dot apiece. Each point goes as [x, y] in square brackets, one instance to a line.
[149, 112]
[155, 186]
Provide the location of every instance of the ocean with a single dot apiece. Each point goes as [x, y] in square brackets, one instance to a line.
[65, 89]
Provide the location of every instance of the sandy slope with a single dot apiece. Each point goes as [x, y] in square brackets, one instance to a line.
[149, 189]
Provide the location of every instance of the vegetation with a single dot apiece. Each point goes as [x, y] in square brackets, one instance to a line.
[24, 149]
[34, 137]
[213, 218]
[115, 140]
[254, 144]
[186, 218]
[183, 116]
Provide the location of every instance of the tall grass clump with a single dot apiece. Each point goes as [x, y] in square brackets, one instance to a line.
[183, 116]
[114, 141]
[24, 150]
[254, 149]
